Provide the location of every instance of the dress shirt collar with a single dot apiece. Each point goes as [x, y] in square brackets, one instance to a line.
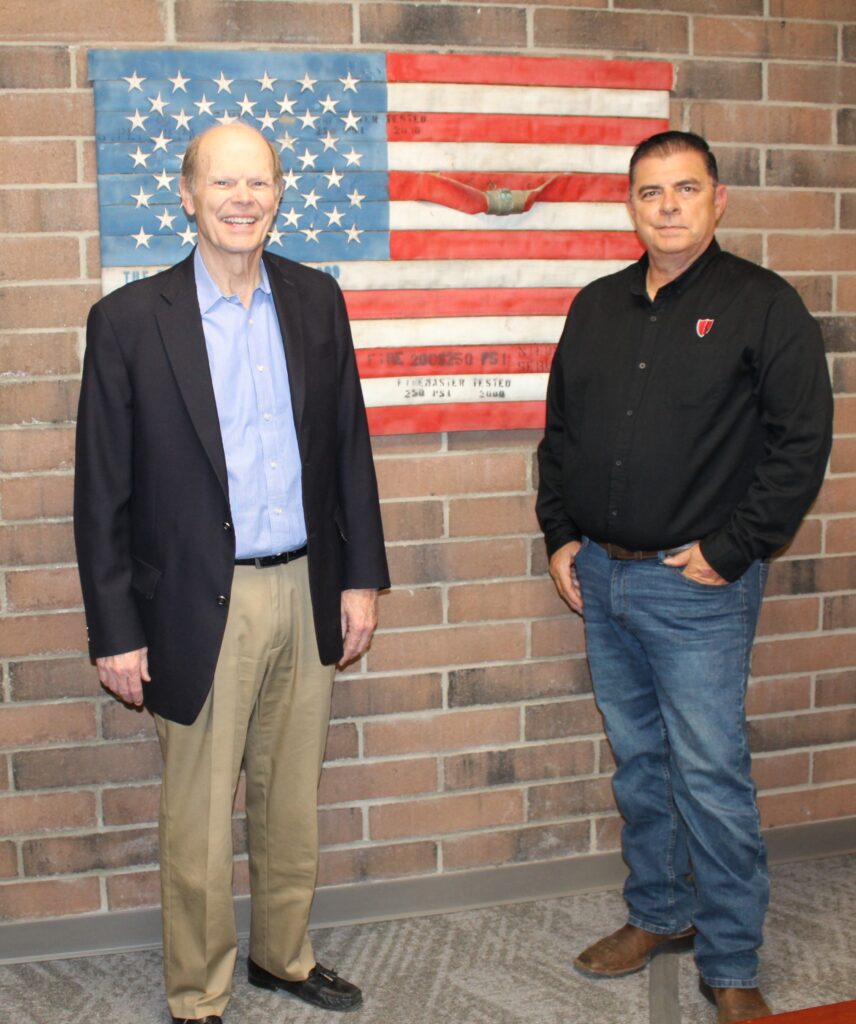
[638, 284]
[207, 290]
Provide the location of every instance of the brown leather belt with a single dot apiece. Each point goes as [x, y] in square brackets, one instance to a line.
[624, 554]
[616, 551]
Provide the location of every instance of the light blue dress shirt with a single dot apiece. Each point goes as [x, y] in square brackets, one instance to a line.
[248, 368]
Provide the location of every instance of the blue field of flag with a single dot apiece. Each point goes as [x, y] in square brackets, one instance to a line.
[324, 112]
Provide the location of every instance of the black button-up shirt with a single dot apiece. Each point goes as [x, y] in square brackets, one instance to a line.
[704, 415]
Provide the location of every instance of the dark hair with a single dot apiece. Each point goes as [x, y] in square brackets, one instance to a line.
[666, 143]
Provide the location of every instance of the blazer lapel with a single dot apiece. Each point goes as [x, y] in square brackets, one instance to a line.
[286, 298]
[180, 326]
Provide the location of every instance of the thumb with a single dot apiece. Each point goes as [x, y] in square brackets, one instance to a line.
[679, 559]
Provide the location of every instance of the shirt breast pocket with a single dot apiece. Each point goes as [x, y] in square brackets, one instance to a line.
[701, 376]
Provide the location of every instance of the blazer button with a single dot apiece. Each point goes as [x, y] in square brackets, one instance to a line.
[222, 599]
[227, 525]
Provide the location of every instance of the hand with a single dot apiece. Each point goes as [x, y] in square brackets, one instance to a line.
[565, 577]
[696, 567]
[124, 674]
[359, 619]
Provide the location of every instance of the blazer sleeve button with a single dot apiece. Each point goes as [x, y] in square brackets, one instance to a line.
[222, 600]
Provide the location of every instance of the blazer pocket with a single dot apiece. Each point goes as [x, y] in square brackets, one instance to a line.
[144, 577]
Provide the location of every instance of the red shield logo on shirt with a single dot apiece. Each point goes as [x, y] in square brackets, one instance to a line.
[703, 327]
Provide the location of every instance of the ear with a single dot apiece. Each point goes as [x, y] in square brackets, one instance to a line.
[720, 201]
[186, 197]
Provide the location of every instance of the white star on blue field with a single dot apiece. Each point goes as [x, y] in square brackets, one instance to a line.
[324, 112]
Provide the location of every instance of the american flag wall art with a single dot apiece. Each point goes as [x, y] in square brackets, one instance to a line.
[460, 200]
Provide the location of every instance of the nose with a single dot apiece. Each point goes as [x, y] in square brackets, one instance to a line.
[669, 200]
[242, 192]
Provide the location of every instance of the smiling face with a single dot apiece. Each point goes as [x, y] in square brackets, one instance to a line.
[675, 205]
[234, 195]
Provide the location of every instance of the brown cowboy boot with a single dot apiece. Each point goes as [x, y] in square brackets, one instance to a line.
[623, 952]
[736, 1004]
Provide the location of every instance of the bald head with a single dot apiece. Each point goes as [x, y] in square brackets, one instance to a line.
[198, 153]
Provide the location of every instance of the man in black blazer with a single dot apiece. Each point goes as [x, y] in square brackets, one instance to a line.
[230, 548]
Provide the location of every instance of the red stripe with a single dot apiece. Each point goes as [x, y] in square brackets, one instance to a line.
[568, 188]
[484, 69]
[398, 305]
[424, 419]
[457, 359]
[521, 128]
[514, 245]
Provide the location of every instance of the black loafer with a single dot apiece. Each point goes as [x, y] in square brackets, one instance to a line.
[211, 1019]
[322, 988]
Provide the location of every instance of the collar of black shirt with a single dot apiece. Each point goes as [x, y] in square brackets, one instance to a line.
[638, 284]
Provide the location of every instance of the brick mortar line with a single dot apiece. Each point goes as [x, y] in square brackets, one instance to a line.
[467, 623]
[805, 712]
[440, 794]
[815, 787]
[52, 611]
[389, 759]
[56, 521]
[23, 427]
[528, 744]
[50, 282]
[9, 378]
[83, 234]
[49, 186]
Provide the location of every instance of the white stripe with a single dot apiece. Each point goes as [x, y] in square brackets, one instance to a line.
[370, 275]
[508, 387]
[457, 330]
[427, 216]
[501, 156]
[445, 98]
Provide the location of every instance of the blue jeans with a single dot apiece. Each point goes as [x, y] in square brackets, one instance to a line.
[669, 660]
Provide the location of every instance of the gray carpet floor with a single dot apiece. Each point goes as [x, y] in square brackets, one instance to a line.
[500, 965]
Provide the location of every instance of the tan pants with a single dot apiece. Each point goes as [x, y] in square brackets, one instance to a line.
[270, 706]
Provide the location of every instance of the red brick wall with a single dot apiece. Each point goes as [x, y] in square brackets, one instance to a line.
[468, 737]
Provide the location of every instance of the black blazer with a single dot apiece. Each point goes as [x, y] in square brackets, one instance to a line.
[152, 521]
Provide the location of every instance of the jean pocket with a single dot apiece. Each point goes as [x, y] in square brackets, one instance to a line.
[696, 585]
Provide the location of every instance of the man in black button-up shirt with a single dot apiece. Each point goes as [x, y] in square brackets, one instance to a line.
[688, 428]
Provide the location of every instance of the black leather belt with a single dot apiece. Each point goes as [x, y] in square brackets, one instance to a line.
[266, 561]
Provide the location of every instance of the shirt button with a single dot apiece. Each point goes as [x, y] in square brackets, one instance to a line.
[251, 321]
[629, 412]
[614, 512]
[267, 416]
[222, 600]
[278, 511]
[260, 367]
[653, 319]
[642, 366]
[618, 462]
[273, 463]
